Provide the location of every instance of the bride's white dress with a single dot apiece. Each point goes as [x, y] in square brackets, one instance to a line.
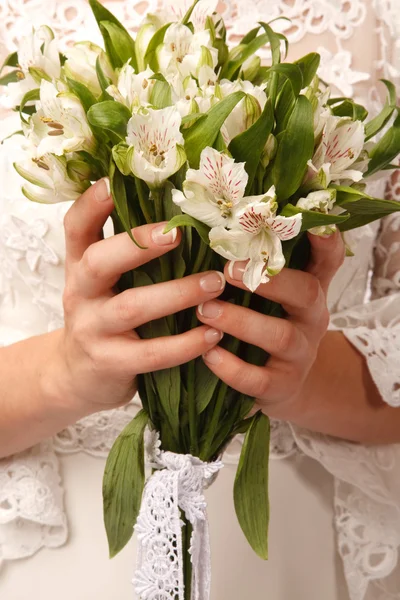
[335, 506]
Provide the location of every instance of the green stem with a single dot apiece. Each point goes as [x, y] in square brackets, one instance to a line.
[273, 88]
[200, 257]
[143, 200]
[166, 272]
[187, 564]
[192, 408]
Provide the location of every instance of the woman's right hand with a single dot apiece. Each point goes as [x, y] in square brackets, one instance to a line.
[98, 352]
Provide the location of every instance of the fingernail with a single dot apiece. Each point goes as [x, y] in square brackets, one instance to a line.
[213, 282]
[210, 310]
[163, 239]
[236, 270]
[212, 356]
[213, 336]
[102, 190]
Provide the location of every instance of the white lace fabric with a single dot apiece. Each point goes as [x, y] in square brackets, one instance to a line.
[366, 308]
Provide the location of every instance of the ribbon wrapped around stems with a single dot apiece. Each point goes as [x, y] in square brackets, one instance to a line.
[177, 484]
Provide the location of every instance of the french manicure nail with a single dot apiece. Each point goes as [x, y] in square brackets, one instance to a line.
[212, 356]
[236, 270]
[213, 282]
[210, 310]
[163, 239]
[213, 336]
[102, 190]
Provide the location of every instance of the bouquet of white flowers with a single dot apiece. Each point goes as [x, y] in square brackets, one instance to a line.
[245, 158]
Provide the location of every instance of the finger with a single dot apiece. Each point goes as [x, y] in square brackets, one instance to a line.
[103, 262]
[84, 221]
[145, 356]
[295, 290]
[133, 308]
[327, 256]
[278, 337]
[257, 382]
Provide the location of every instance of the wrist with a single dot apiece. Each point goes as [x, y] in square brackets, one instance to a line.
[56, 384]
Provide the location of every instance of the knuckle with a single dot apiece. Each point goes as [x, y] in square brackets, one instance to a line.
[313, 291]
[91, 263]
[325, 319]
[152, 356]
[72, 232]
[69, 300]
[284, 336]
[260, 386]
[127, 305]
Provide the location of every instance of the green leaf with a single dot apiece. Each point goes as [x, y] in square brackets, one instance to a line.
[79, 170]
[10, 61]
[30, 96]
[104, 81]
[118, 193]
[296, 147]
[123, 483]
[371, 206]
[150, 58]
[249, 37]
[110, 115]
[346, 107]
[122, 43]
[120, 152]
[204, 132]
[205, 385]
[284, 107]
[161, 95]
[102, 14]
[309, 66]
[251, 485]
[84, 94]
[249, 145]
[240, 54]
[312, 218]
[11, 77]
[189, 120]
[385, 150]
[188, 221]
[292, 73]
[376, 125]
[275, 42]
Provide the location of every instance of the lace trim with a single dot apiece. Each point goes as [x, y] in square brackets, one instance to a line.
[31, 503]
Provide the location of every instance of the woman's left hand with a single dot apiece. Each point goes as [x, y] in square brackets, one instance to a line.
[292, 342]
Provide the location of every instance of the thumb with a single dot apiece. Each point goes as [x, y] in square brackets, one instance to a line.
[327, 256]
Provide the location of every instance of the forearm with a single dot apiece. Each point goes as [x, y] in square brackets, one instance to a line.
[341, 399]
[32, 403]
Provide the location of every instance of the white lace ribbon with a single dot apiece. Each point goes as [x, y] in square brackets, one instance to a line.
[178, 484]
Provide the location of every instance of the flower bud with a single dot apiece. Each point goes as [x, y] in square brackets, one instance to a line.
[269, 150]
[250, 67]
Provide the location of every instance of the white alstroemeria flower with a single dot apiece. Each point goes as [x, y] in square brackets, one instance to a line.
[155, 145]
[246, 112]
[257, 237]
[184, 92]
[322, 201]
[59, 126]
[174, 11]
[36, 51]
[49, 182]
[185, 52]
[81, 65]
[133, 89]
[341, 144]
[213, 193]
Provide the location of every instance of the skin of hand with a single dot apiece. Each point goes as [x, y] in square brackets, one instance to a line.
[314, 378]
[99, 353]
[291, 342]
